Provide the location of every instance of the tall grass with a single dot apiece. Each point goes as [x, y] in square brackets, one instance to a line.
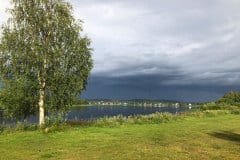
[156, 118]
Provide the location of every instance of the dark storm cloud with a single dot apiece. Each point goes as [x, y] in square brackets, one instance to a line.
[152, 87]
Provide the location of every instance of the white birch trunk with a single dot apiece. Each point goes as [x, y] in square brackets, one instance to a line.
[41, 108]
[42, 83]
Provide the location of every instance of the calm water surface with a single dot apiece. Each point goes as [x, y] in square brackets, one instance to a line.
[94, 112]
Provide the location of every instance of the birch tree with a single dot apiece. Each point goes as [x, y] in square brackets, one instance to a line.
[43, 44]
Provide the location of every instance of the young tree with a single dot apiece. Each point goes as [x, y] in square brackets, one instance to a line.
[41, 44]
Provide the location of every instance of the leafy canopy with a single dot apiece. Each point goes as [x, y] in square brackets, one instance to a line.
[41, 44]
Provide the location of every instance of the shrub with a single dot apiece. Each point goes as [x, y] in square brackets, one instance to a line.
[235, 111]
[210, 106]
[53, 121]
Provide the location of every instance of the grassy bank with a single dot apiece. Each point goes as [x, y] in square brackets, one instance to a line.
[193, 137]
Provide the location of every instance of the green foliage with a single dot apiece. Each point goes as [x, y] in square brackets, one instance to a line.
[53, 121]
[230, 101]
[41, 49]
[210, 106]
[235, 110]
[19, 98]
[81, 102]
[231, 98]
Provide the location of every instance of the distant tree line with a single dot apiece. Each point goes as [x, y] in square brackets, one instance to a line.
[230, 100]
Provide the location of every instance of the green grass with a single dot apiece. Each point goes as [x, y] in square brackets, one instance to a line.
[216, 137]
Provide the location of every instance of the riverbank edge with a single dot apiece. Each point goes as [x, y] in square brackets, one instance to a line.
[55, 125]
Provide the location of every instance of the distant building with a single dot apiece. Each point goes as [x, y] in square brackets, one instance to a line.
[189, 105]
[177, 105]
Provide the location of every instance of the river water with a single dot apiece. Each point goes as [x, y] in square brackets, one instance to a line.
[95, 112]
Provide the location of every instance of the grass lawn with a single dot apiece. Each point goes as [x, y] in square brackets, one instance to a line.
[190, 138]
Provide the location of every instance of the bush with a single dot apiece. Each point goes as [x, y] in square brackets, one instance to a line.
[235, 111]
[53, 124]
[215, 106]
[53, 121]
[210, 106]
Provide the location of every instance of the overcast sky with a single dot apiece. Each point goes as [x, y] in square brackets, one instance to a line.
[184, 50]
